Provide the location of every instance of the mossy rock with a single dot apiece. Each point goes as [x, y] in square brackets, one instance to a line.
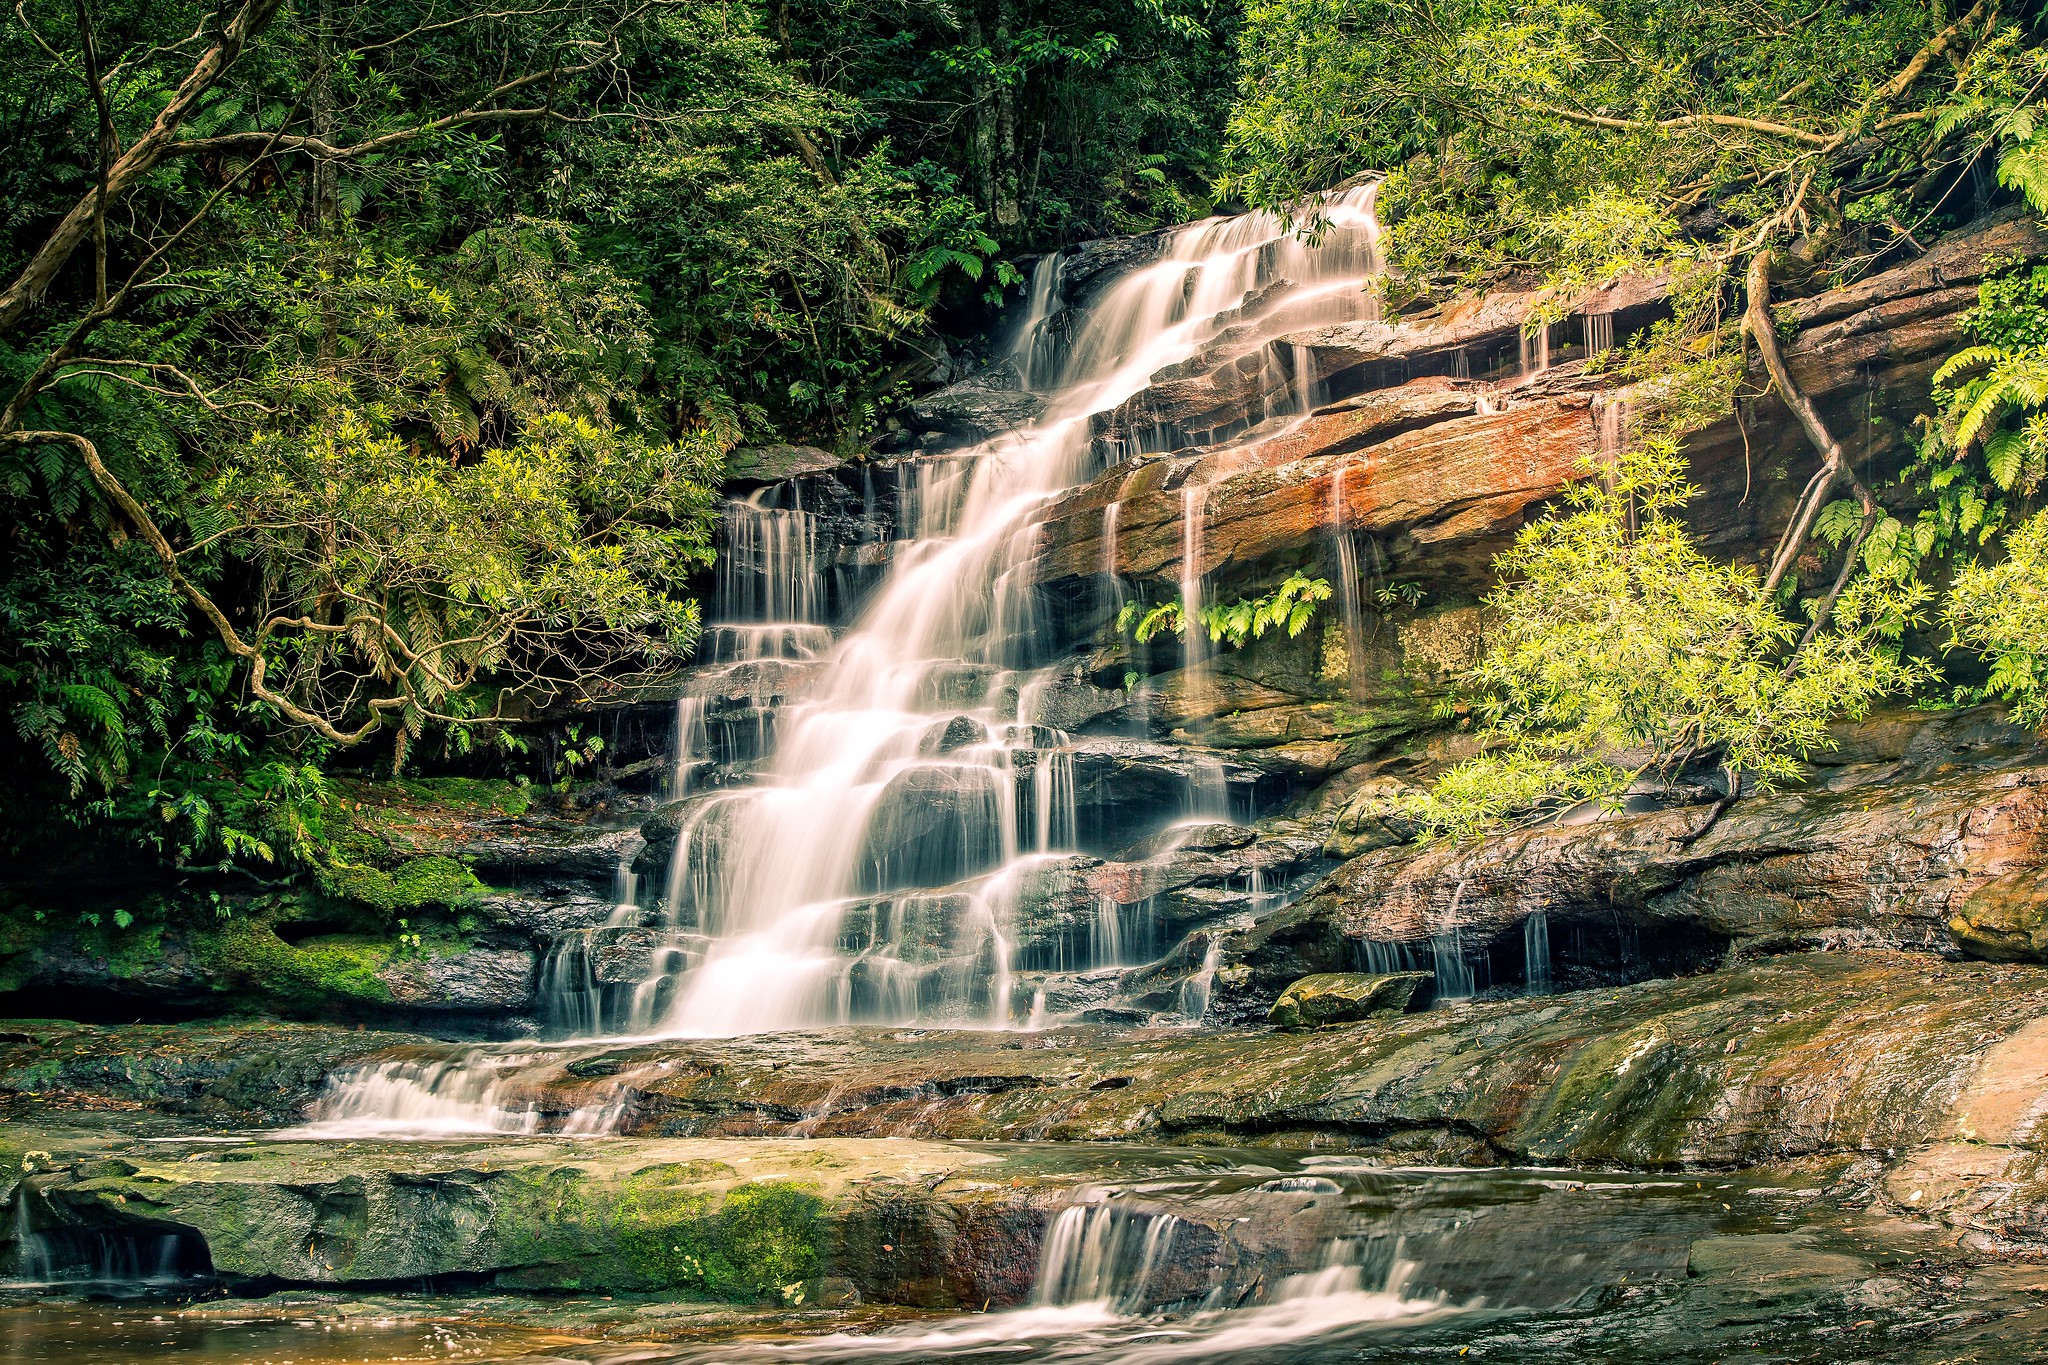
[338, 968]
[759, 1241]
[1343, 998]
[413, 885]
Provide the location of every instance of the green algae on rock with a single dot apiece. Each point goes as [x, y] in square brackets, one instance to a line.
[1344, 998]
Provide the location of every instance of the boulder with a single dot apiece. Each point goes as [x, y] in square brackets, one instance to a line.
[2006, 919]
[758, 466]
[979, 407]
[473, 979]
[1344, 998]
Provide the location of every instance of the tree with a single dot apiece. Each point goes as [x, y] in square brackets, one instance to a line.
[1617, 649]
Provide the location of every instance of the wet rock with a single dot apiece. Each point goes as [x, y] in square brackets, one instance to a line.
[1833, 1054]
[933, 824]
[1344, 998]
[229, 1074]
[1088, 266]
[979, 407]
[1950, 864]
[472, 980]
[1450, 494]
[758, 466]
[2006, 919]
[710, 1219]
[959, 732]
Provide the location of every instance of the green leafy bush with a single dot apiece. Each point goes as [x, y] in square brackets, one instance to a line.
[1616, 647]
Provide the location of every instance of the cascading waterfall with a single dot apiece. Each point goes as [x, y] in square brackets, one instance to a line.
[1536, 951]
[1103, 1252]
[908, 792]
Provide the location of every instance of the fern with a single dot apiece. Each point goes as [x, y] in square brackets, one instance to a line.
[2024, 167]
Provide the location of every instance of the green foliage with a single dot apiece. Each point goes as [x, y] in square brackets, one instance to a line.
[1616, 646]
[1290, 606]
[2000, 611]
[1982, 457]
[1583, 139]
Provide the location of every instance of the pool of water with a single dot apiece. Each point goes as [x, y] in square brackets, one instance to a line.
[60, 1333]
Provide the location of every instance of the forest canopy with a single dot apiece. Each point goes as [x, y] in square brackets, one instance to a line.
[367, 370]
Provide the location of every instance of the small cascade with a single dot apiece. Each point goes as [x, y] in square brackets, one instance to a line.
[1599, 328]
[90, 1261]
[730, 642]
[1455, 978]
[1114, 597]
[1194, 633]
[692, 746]
[1535, 350]
[401, 1099]
[572, 997]
[769, 568]
[1536, 952]
[1196, 990]
[1036, 351]
[1104, 1253]
[1613, 439]
[1349, 599]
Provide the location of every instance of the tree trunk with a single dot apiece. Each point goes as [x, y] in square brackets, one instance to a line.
[982, 130]
[1009, 166]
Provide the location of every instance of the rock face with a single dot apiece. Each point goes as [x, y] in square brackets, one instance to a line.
[1933, 842]
[1344, 998]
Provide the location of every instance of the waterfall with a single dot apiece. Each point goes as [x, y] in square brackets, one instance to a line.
[769, 571]
[1103, 1253]
[911, 764]
[1599, 333]
[1196, 990]
[1194, 634]
[692, 745]
[1535, 350]
[1536, 951]
[1349, 604]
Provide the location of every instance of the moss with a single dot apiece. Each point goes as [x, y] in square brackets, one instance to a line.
[413, 885]
[506, 798]
[337, 968]
[763, 1238]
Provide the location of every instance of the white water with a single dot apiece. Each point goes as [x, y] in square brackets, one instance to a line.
[855, 804]
[1101, 1271]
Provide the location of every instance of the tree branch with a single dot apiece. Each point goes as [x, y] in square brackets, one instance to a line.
[72, 231]
[1754, 125]
[138, 516]
[1757, 321]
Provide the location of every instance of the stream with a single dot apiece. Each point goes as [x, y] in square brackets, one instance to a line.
[1322, 1259]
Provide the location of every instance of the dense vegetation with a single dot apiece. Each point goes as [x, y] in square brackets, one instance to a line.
[1741, 149]
[366, 370]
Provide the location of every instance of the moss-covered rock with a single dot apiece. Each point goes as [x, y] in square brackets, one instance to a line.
[416, 884]
[341, 968]
[1344, 998]
[734, 1220]
[2006, 919]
